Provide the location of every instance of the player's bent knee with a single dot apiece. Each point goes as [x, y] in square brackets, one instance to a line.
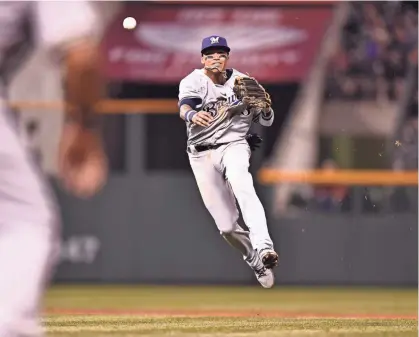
[227, 232]
[227, 226]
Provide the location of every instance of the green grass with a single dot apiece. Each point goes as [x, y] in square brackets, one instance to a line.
[207, 311]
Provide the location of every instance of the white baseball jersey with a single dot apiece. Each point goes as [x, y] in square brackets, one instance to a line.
[223, 129]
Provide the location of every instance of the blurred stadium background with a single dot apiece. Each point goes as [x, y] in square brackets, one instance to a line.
[337, 174]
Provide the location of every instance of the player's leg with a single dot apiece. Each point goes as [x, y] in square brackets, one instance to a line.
[220, 202]
[239, 239]
[236, 165]
[28, 237]
[214, 192]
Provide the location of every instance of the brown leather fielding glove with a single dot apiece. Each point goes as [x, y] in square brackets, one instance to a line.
[249, 91]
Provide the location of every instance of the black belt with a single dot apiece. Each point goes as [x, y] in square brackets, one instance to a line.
[201, 148]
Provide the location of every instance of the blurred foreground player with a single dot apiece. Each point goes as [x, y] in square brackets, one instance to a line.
[29, 224]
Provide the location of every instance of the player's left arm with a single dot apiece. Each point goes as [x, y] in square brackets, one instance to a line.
[265, 117]
[68, 30]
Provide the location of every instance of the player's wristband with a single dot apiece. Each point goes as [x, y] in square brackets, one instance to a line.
[267, 115]
[189, 115]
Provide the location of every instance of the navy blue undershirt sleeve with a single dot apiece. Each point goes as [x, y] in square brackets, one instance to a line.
[193, 102]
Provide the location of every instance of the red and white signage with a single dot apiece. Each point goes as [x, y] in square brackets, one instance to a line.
[274, 44]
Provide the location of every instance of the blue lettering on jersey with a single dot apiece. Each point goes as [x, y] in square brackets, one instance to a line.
[212, 107]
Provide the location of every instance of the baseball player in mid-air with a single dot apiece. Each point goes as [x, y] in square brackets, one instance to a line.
[217, 126]
[28, 217]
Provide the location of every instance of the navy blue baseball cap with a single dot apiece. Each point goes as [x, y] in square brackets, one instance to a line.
[214, 41]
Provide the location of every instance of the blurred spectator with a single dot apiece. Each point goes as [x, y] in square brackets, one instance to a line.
[323, 198]
[330, 198]
[377, 43]
[406, 154]
[405, 199]
[406, 147]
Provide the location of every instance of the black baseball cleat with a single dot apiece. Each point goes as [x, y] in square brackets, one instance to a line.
[269, 258]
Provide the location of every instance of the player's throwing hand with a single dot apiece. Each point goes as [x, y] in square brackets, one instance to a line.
[202, 118]
[82, 161]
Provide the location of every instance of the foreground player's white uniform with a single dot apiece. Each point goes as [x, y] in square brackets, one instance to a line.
[222, 173]
[28, 217]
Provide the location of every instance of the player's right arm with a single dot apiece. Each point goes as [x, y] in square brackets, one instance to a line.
[189, 114]
[190, 102]
[68, 29]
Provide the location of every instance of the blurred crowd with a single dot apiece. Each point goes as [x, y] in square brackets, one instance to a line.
[406, 147]
[333, 198]
[341, 198]
[378, 42]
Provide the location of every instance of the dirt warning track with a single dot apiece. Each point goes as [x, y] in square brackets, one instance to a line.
[218, 313]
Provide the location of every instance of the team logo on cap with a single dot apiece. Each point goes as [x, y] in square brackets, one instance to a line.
[214, 39]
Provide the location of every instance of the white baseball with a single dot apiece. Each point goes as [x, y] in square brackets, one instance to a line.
[129, 23]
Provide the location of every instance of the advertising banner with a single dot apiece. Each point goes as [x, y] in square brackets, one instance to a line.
[274, 44]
